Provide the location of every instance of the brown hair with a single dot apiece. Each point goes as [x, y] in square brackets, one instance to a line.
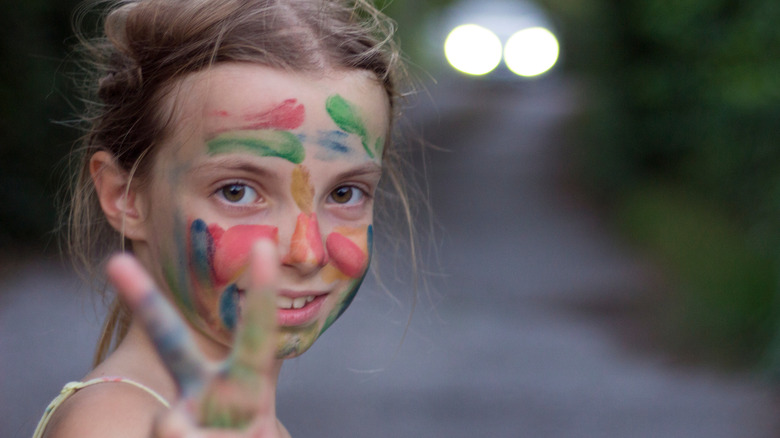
[147, 45]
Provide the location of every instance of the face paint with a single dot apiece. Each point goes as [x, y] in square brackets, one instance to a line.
[287, 115]
[346, 255]
[346, 117]
[232, 248]
[217, 143]
[350, 293]
[334, 141]
[281, 144]
[306, 243]
[301, 188]
[217, 258]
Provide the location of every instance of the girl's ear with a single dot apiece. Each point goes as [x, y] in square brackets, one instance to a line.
[119, 204]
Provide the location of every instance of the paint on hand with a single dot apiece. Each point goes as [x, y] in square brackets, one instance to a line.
[346, 117]
[287, 115]
[306, 243]
[173, 342]
[268, 143]
[301, 188]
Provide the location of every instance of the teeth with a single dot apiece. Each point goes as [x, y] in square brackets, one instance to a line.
[283, 302]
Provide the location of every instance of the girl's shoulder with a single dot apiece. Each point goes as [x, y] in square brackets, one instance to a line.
[110, 407]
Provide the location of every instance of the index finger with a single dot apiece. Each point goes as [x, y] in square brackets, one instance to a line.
[255, 342]
[168, 332]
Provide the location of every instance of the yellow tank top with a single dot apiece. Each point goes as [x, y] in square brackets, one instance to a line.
[72, 387]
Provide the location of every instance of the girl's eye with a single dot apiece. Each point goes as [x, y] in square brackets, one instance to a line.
[346, 195]
[240, 194]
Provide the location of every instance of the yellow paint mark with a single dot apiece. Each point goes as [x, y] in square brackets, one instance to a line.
[302, 190]
[358, 235]
[330, 274]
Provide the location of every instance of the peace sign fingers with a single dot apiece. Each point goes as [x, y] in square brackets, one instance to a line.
[241, 394]
[255, 341]
[168, 332]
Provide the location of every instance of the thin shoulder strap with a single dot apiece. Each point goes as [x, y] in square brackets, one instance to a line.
[70, 388]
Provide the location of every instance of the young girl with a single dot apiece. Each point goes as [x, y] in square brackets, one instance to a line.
[235, 152]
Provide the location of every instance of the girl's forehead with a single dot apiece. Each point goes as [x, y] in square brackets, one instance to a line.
[251, 97]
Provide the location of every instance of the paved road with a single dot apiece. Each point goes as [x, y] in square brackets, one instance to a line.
[499, 347]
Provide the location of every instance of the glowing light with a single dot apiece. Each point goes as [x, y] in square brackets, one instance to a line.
[531, 52]
[473, 49]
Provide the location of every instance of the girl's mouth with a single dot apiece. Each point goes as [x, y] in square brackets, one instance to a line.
[283, 302]
[300, 310]
[295, 310]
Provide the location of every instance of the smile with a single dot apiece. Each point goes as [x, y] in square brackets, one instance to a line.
[283, 302]
[291, 311]
[300, 310]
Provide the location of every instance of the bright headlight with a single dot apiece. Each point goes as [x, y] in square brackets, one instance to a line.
[473, 49]
[531, 52]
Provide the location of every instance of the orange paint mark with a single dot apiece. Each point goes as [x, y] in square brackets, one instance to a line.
[306, 243]
[301, 188]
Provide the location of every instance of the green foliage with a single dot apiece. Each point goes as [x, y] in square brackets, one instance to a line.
[722, 306]
[688, 92]
[32, 86]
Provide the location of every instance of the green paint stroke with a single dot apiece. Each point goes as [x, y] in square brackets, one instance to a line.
[346, 117]
[268, 143]
[379, 146]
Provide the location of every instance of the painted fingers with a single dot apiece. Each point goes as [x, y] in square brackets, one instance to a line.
[241, 394]
[236, 394]
[168, 332]
[255, 342]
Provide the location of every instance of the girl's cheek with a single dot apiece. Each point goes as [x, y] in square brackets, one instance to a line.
[345, 254]
[232, 248]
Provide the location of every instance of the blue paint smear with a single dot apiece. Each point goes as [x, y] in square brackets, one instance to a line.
[334, 141]
[181, 272]
[202, 246]
[228, 307]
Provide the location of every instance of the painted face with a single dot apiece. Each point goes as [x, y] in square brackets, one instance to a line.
[262, 154]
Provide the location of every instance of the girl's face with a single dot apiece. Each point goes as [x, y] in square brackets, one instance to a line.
[259, 153]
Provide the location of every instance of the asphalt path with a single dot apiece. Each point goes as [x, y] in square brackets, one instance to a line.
[504, 342]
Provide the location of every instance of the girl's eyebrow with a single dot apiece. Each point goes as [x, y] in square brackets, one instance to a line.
[233, 164]
[369, 168]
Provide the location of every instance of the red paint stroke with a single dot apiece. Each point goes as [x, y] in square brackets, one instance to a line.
[306, 243]
[232, 248]
[346, 255]
[287, 115]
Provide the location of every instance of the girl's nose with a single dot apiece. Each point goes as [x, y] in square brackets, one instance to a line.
[306, 251]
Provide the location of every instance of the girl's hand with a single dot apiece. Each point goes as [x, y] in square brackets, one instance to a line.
[228, 399]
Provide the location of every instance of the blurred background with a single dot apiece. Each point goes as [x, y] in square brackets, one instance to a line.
[602, 259]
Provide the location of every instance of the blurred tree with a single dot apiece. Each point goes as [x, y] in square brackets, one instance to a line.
[682, 141]
[32, 97]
